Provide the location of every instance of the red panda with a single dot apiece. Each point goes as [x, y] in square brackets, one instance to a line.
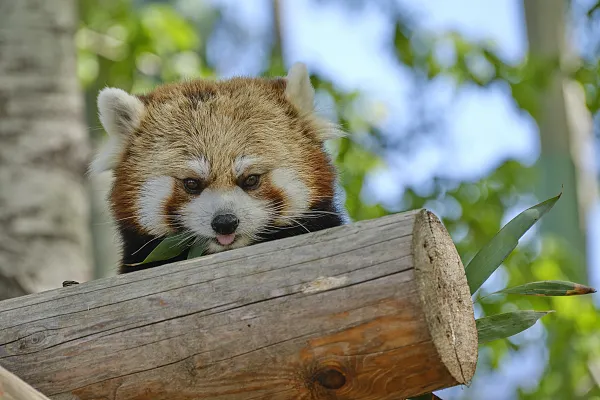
[231, 162]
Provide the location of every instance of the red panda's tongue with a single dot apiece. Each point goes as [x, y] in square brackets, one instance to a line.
[226, 239]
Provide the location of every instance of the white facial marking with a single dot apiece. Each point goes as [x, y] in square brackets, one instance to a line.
[197, 215]
[296, 192]
[155, 192]
[200, 166]
[242, 163]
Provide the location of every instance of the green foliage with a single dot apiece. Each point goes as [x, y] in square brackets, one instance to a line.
[501, 326]
[489, 258]
[197, 250]
[549, 288]
[135, 46]
[170, 247]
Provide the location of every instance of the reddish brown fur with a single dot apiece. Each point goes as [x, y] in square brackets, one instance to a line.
[178, 198]
[276, 195]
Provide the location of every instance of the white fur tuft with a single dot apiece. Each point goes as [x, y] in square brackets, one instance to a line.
[153, 196]
[296, 192]
[107, 155]
[120, 114]
[298, 89]
[328, 130]
[242, 163]
[201, 166]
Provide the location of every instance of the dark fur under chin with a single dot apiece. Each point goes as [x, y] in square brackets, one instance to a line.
[136, 246]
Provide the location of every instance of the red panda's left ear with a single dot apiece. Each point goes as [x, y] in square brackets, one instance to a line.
[298, 89]
[120, 114]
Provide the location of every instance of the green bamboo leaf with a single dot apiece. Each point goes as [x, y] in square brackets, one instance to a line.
[549, 288]
[197, 250]
[170, 247]
[501, 326]
[489, 258]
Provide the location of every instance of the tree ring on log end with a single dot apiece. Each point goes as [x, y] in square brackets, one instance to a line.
[445, 296]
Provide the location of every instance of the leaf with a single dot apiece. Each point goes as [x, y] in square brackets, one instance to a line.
[549, 288]
[426, 396]
[501, 326]
[197, 250]
[489, 258]
[593, 9]
[170, 247]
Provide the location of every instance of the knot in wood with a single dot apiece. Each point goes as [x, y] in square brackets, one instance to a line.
[32, 341]
[330, 378]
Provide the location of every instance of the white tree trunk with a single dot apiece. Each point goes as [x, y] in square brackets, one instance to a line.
[565, 134]
[44, 149]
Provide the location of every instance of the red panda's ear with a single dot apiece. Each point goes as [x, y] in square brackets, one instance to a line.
[298, 88]
[300, 92]
[120, 114]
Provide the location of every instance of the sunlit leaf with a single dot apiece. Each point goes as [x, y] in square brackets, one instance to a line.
[404, 51]
[549, 288]
[489, 258]
[197, 250]
[170, 247]
[501, 326]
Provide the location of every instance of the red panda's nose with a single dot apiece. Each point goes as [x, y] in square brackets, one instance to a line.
[225, 224]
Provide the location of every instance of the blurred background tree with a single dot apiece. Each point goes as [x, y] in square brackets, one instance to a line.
[437, 116]
[44, 149]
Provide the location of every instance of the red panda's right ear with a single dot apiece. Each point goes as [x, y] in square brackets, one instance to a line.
[120, 114]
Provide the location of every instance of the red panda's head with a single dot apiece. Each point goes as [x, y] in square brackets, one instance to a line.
[223, 161]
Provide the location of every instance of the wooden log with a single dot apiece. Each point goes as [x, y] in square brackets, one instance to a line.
[13, 388]
[377, 309]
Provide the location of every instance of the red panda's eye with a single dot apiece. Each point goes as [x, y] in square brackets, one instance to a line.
[251, 182]
[192, 186]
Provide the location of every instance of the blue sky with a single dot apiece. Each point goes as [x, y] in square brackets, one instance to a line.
[484, 129]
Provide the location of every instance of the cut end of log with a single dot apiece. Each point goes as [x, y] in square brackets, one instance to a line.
[444, 292]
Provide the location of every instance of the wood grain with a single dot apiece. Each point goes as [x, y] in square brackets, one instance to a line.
[378, 309]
